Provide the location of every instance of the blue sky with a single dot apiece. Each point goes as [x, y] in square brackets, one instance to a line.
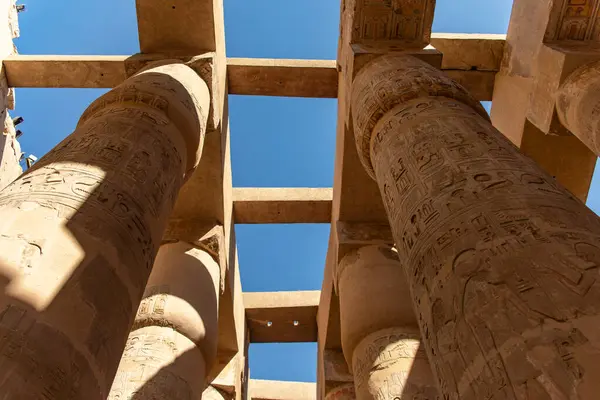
[276, 142]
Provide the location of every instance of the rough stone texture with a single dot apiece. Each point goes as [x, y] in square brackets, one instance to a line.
[515, 104]
[578, 104]
[391, 364]
[375, 316]
[80, 231]
[342, 392]
[173, 343]
[502, 261]
[10, 153]
[212, 393]
[10, 150]
[394, 24]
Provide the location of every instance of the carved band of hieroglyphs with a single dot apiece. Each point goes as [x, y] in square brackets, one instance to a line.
[401, 21]
[144, 370]
[502, 261]
[384, 347]
[390, 80]
[20, 338]
[574, 20]
[391, 363]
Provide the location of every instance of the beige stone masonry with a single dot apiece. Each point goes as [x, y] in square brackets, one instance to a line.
[173, 342]
[502, 262]
[379, 332]
[80, 231]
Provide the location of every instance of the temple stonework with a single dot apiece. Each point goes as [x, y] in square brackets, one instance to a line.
[462, 261]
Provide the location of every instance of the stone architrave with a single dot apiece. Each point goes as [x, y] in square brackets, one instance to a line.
[502, 262]
[80, 231]
[578, 105]
[173, 342]
[379, 331]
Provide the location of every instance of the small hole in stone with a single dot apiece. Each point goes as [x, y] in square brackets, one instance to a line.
[296, 323]
[101, 74]
[173, 7]
[269, 323]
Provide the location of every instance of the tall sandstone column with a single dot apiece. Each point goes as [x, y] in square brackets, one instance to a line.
[502, 262]
[173, 343]
[578, 105]
[80, 230]
[380, 335]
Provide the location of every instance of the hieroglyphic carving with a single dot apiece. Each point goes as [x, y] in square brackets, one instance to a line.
[574, 20]
[144, 370]
[342, 392]
[504, 273]
[95, 208]
[392, 363]
[406, 23]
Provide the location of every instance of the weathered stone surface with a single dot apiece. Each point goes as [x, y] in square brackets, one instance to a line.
[390, 364]
[502, 262]
[578, 104]
[173, 342]
[80, 231]
[10, 153]
[379, 328]
[342, 392]
[523, 106]
[394, 24]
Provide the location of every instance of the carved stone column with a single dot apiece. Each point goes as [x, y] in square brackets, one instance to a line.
[578, 105]
[502, 262]
[342, 392]
[379, 331]
[80, 231]
[173, 343]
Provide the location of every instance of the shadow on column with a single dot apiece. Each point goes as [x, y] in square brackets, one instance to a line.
[80, 232]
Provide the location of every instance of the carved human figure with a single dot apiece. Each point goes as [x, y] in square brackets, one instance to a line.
[173, 343]
[379, 331]
[80, 231]
[578, 105]
[502, 262]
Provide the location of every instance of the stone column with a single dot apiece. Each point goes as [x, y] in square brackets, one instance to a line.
[379, 331]
[80, 231]
[502, 262]
[578, 105]
[173, 342]
[342, 392]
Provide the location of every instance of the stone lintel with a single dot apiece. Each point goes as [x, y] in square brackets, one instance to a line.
[277, 77]
[469, 52]
[282, 317]
[282, 205]
[279, 390]
[246, 76]
[180, 25]
[555, 63]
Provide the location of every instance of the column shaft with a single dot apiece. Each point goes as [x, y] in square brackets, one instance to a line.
[80, 231]
[502, 262]
[173, 343]
[379, 330]
[578, 105]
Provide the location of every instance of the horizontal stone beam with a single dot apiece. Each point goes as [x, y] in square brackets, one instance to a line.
[280, 390]
[282, 317]
[471, 59]
[282, 205]
[278, 77]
